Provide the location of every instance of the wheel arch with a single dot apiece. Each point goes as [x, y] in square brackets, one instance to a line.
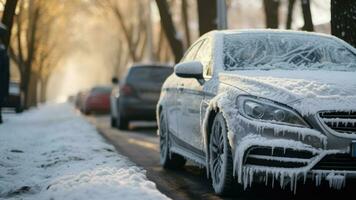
[207, 125]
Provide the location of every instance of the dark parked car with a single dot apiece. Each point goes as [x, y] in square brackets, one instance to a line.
[262, 106]
[136, 96]
[97, 100]
[14, 100]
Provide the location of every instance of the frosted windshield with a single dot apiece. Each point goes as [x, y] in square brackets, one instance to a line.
[286, 51]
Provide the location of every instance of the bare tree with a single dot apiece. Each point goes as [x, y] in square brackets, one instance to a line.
[207, 13]
[343, 23]
[167, 24]
[291, 4]
[271, 8]
[36, 50]
[308, 21]
[185, 19]
[131, 17]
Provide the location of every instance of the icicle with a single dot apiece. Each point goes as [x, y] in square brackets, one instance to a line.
[251, 177]
[273, 180]
[266, 182]
[336, 181]
[305, 177]
[291, 181]
[282, 179]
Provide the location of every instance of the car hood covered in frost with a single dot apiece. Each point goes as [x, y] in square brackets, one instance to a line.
[306, 91]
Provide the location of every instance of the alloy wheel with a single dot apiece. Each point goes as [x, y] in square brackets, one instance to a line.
[221, 163]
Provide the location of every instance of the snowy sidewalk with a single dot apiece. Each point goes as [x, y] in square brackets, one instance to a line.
[53, 153]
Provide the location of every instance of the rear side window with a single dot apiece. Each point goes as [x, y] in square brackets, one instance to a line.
[192, 52]
[204, 55]
[149, 74]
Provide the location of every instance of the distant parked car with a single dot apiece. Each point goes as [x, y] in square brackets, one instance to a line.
[97, 100]
[14, 100]
[262, 105]
[136, 96]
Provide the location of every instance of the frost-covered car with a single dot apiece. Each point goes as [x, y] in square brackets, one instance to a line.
[262, 106]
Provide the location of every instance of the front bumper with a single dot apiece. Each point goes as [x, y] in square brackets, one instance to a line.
[288, 155]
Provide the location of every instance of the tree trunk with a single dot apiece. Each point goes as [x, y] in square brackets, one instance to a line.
[271, 12]
[169, 29]
[308, 21]
[31, 95]
[43, 89]
[343, 21]
[8, 19]
[291, 4]
[185, 19]
[207, 14]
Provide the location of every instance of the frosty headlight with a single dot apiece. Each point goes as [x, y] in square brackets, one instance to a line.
[265, 110]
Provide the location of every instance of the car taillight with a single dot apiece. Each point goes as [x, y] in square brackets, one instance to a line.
[126, 90]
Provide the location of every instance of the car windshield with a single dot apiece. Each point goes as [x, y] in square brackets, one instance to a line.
[266, 51]
[150, 74]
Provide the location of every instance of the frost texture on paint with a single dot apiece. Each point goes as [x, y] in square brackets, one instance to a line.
[225, 103]
[278, 51]
[306, 91]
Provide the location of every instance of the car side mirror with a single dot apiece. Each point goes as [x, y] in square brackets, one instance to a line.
[192, 69]
[115, 80]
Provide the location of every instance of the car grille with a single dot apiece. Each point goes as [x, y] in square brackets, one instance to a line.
[337, 162]
[278, 157]
[342, 122]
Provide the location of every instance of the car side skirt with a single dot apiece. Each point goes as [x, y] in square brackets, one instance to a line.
[188, 151]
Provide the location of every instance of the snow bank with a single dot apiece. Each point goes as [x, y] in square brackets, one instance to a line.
[52, 153]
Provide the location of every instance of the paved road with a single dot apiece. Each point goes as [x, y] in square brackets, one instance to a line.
[140, 144]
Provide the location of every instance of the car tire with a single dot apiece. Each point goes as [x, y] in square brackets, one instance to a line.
[168, 160]
[220, 158]
[121, 122]
[113, 122]
[18, 109]
[86, 112]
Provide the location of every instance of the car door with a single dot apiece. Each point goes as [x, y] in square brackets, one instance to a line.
[179, 98]
[191, 97]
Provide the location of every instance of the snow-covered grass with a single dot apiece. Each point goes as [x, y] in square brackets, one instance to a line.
[53, 153]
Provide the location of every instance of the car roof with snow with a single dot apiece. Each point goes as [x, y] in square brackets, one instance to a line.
[270, 31]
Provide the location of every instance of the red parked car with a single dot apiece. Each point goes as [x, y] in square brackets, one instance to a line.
[97, 100]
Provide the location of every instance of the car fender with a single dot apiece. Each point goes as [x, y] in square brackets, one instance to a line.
[224, 103]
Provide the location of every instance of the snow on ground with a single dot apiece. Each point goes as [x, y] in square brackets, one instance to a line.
[53, 153]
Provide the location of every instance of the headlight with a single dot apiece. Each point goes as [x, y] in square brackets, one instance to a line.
[265, 110]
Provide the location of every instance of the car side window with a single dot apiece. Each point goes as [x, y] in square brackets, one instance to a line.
[205, 57]
[191, 52]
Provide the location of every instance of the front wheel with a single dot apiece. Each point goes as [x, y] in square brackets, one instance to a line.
[167, 159]
[220, 162]
[18, 109]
